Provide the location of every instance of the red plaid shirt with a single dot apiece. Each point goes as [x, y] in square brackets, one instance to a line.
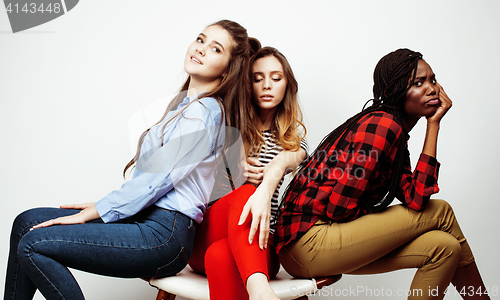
[359, 172]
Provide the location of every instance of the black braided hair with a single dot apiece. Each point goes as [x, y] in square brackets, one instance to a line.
[393, 76]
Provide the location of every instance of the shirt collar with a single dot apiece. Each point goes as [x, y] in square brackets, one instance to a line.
[187, 100]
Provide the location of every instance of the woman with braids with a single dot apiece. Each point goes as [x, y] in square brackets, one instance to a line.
[335, 217]
[145, 228]
[236, 266]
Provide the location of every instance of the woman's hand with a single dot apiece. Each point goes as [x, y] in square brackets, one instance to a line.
[259, 205]
[73, 219]
[77, 206]
[446, 104]
[431, 133]
[88, 214]
[254, 171]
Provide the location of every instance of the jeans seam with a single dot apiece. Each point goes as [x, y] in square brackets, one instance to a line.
[171, 236]
[181, 254]
[19, 237]
[15, 280]
[92, 244]
[39, 270]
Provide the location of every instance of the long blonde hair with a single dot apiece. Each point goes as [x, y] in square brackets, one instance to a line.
[229, 92]
[287, 128]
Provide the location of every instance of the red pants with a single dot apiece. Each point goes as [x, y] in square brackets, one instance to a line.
[222, 252]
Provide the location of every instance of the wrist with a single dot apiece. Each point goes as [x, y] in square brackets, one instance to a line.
[433, 126]
[88, 214]
[275, 169]
[266, 190]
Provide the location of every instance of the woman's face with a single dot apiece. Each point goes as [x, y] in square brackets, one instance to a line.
[422, 99]
[269, 82]
[208, 56]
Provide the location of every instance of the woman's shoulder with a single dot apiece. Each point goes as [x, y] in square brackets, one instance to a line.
[205, 105]
[381, 118]
[380, 123]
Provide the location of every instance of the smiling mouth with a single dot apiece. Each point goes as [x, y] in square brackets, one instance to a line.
[195, 60]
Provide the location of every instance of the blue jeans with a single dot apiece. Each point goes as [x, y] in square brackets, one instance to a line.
[153, 243]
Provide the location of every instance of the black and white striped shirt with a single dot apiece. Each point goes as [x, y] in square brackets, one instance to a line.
[266, 154]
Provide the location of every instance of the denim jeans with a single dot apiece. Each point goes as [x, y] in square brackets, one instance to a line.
[153, 243]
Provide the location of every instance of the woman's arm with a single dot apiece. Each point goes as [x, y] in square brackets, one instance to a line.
[431, 134]
[259, 204]
[188, 143]
[416, 187]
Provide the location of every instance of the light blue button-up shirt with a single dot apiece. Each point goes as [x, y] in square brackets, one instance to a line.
[176, 166]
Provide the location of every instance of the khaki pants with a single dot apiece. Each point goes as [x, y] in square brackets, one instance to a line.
[396, 238]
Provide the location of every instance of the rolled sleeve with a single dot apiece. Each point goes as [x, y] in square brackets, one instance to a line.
[417, 187]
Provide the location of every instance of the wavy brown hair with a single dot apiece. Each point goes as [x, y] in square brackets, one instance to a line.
[229, 92]
[287, 127]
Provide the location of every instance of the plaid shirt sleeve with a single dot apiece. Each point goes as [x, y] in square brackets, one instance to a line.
[419, 185]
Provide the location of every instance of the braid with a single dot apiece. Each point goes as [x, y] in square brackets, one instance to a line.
[393, 76]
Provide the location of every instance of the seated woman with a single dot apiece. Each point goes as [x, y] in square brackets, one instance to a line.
[238, 267]
[335, 217]
[145, 228]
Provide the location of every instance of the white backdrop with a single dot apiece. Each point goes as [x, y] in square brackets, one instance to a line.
[69, 87]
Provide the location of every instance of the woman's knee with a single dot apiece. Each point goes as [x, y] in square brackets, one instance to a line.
[25, 246]
[444, 247]
[442, 212]
[33, 216]
[25, 220]
[218, 256]
[25, 217]
[37, 240]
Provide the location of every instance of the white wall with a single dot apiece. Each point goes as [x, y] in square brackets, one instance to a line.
[69, 87]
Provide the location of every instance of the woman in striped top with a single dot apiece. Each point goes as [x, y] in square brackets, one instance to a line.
[260, 158]
[238, 267]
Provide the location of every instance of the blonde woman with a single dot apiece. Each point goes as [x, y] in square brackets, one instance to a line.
[232, 243]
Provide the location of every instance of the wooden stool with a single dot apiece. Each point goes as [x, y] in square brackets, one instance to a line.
[191, 285]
